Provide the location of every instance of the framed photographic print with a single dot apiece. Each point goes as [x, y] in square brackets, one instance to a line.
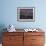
[26, 14]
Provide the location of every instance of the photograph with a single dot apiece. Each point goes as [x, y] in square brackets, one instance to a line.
[25, 14]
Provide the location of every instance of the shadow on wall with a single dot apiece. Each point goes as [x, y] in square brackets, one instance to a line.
[2, 26]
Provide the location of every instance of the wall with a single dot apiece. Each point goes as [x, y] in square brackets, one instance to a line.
[9, 13]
